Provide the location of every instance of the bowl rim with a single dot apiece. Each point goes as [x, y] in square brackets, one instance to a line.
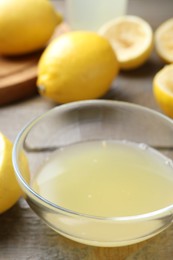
[23, 134]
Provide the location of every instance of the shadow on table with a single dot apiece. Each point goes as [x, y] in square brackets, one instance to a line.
[148, 69]
[135, 86]
[10, 222]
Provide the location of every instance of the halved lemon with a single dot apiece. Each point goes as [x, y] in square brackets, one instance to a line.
[163, 89]
[10, 190]
[164, 40]
[131, 38]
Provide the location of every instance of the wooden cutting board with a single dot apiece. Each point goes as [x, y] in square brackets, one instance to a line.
[18, 74]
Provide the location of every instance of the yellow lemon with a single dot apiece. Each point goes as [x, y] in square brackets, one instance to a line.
[26, 25]
[9, 188]
[131, 38]
[164, 41]
[163, 89]
[76, 66]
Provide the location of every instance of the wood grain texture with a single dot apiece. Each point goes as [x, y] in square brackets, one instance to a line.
[17, 77]
[22, 234]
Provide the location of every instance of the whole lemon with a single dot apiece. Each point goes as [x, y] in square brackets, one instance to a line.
[26, 25]
[10, 190]
[78, 65]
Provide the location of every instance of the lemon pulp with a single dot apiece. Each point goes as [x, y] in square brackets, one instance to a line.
[131, 38]
[163, 89]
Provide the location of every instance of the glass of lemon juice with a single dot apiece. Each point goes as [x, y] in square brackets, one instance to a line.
[90, 15]
[101, 171]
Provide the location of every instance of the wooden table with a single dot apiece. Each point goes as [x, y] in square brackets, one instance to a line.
[22, 234]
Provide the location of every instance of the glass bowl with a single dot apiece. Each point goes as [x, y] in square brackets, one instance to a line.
[85, 121]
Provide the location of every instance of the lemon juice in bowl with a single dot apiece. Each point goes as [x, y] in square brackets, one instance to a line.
[99, 173]
[90, 15]
[107, 179]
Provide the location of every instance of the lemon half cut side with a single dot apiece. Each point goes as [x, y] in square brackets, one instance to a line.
[164, 41]
[131, 38]
[163, 89]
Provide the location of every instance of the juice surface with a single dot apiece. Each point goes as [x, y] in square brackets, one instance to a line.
[107, 178]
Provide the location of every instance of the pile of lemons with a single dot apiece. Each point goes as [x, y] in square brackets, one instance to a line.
[133, 40]
[81, 65]
[78, 65]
